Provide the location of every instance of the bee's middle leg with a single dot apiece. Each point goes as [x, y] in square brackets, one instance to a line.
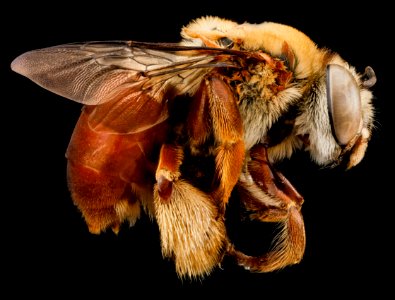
[215, 111]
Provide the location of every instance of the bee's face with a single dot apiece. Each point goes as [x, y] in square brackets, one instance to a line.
[337, 114]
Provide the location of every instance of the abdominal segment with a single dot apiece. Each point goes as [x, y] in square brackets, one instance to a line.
[111, 174]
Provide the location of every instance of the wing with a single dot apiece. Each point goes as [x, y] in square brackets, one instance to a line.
[125, 80]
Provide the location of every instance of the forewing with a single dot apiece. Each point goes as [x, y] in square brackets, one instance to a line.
[128, 81]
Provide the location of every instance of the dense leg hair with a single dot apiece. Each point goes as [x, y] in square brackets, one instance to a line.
[191, 232]
[191, 221]
[271, 198]
[217, 99]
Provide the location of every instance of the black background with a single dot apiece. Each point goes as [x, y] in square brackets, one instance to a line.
[47, 246]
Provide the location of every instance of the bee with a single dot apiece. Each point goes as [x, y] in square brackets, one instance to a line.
[173, 129]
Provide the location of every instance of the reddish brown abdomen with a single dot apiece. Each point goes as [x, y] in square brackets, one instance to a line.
[108, 171]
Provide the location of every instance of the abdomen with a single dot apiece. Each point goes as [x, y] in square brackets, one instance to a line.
[110, 174]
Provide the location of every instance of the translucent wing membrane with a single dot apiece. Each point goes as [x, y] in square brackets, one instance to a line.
[93, 73]
[125, 76]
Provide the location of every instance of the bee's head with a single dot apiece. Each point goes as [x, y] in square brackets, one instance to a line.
[336, 116]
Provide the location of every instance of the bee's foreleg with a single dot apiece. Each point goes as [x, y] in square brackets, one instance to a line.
[271, 198]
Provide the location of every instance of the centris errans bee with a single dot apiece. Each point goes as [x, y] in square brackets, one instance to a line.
[176, 128]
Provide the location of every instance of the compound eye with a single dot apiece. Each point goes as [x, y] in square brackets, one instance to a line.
[344, 103]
